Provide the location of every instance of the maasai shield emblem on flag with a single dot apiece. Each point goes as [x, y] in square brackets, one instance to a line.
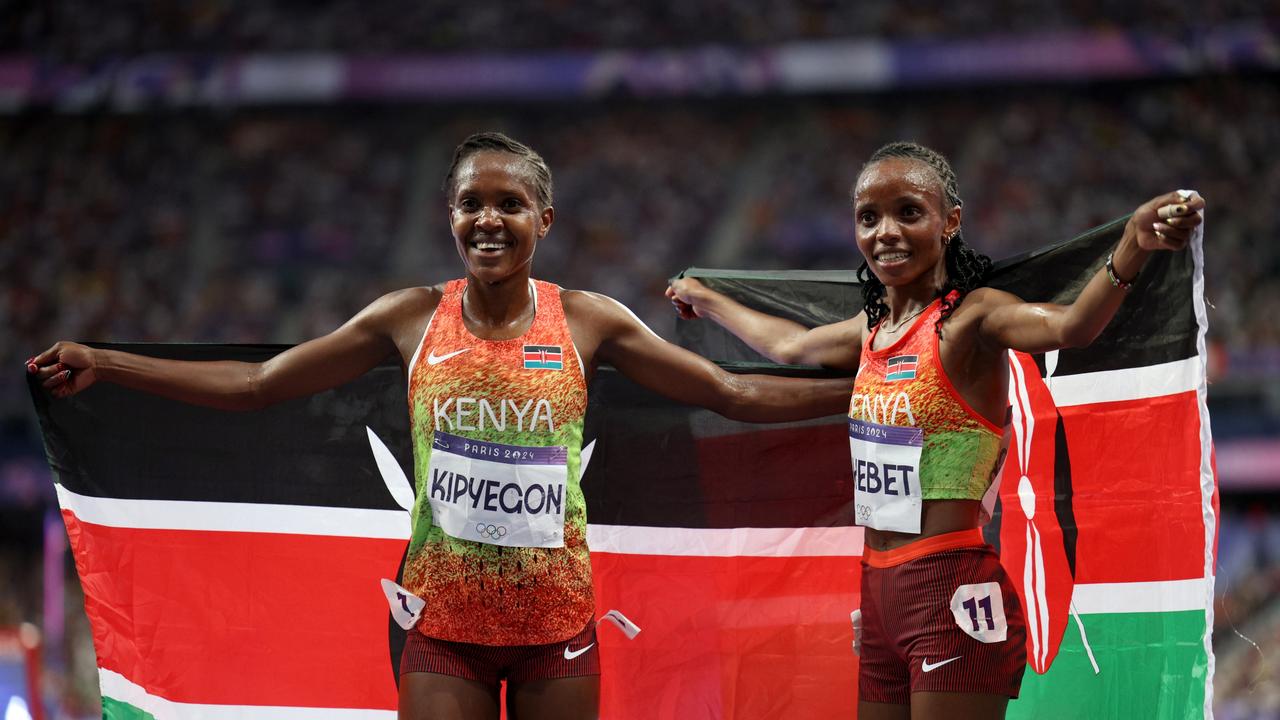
[1134, 494]
[233, 563]
[1036, 552]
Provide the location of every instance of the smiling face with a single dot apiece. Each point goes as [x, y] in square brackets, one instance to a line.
[900, 217]
[496, 219]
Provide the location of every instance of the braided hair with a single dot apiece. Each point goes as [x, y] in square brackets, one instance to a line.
[495, 141]
[966, 268]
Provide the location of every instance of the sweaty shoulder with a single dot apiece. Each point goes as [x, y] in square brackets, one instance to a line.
[855, 328]
[406, 305]
[976, 308]
[989, 297]
[404, 314]
[594, 319]
[591, 307]
[978, 303]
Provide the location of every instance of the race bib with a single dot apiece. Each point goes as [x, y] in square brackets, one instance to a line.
[979, 611]
[886, 462]
[498, 494]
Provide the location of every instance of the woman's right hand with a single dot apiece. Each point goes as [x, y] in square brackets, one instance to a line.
[685, 294]
[64, 369]
[1167, 222]
[781, 340]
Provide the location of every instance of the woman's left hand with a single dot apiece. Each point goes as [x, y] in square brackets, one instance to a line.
[1166, 222]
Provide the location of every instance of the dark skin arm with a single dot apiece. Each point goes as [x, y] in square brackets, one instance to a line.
[605, 331]
[837, 346]
[990, 322]
[987, 324]
[975, 338]
[1037, 327]
[391, 324]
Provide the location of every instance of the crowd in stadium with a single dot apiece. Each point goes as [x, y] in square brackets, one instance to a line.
[276, 226]
[85, 31]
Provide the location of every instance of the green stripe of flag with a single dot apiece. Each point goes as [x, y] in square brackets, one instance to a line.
[1153, 665]
[113, 709]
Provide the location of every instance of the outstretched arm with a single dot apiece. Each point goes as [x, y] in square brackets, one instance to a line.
[1164, 223]
[836, 346]
[316, 365]
[614, 335]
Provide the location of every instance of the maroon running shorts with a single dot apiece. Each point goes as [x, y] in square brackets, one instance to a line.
[577, 656]
[939, 615]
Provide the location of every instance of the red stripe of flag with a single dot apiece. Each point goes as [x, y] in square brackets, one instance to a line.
[734, 637]
[1136, 475]
[302, 616]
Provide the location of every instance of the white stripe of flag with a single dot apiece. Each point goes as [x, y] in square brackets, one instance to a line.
[726, 542]
[236, 517]
[619, 539]
[1151, 381]
[1141, 597]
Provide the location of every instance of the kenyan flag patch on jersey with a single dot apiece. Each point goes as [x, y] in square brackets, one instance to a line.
[543, 357]
[899, 367]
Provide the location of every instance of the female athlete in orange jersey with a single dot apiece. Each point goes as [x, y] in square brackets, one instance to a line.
[498, 365]
[942, 632]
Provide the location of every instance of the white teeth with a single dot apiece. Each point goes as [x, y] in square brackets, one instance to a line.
[490, 246]
[893, 257]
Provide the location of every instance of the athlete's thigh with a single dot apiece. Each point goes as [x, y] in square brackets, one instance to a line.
[432, 696]
[569, 698]
[957, 706]
[883, 711]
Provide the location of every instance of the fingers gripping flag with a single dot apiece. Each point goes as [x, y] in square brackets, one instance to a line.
[233, 564]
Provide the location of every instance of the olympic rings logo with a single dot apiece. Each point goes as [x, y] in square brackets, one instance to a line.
[493, 532]
[864, 512]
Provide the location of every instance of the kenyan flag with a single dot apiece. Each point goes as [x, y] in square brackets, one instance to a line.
[232, 562]
[1109, 520]
[1107, 513]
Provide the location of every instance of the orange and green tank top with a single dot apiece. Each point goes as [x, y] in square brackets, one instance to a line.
[904, 385]
[498, 549]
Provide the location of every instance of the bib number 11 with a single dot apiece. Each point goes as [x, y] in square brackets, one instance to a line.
[979, 611]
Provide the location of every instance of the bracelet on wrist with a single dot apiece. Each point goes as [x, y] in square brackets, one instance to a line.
[1124, 285]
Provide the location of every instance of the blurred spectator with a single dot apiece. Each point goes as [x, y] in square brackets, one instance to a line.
[85, 31]
[277, 226]
[1246, 633]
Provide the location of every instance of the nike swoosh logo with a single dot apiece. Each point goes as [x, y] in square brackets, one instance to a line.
[571, 654]
[433, 359]
[926, 667]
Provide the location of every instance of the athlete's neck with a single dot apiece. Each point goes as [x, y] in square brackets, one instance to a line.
[498, 306]
[905, 301]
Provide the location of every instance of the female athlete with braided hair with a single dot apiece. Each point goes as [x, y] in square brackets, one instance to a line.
[942, 630]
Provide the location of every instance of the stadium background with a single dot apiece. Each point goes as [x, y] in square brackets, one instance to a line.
[233, 171]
